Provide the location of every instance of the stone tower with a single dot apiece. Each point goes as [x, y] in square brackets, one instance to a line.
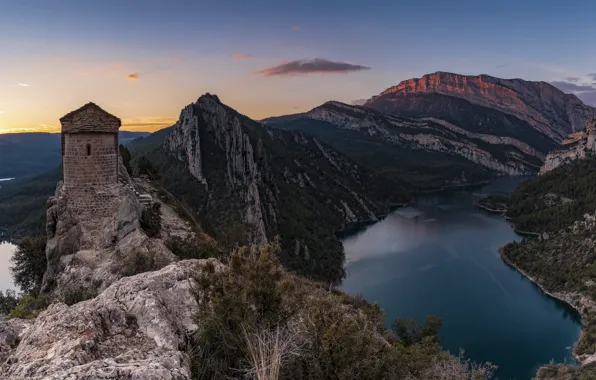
[90, 159]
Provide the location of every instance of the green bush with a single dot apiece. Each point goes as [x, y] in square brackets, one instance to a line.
[148, 168]
[192, 248]
[8, 301]
[77, 293]
[151, 220]
[29, 307]
[137, 262]
[29, 263]
[126, 157]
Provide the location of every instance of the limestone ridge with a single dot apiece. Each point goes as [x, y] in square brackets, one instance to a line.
[576, 146]
[273, 182]
[514, 157]
[541, 105]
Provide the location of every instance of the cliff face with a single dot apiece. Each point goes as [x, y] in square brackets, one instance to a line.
[270, 182]
[435, 135]
[576, 146]
[450, 150]
[541, 105]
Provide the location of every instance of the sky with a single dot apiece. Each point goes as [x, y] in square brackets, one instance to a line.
[145, 60]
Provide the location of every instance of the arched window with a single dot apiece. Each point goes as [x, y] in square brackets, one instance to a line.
[88, 149]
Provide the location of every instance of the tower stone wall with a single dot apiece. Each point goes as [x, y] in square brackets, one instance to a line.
[90, 161]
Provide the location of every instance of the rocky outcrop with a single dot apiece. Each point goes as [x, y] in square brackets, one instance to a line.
[541, 105]
[137, 328]
[576, 146]
[88, 253]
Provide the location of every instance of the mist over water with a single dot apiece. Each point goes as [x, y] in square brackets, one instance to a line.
[440, 256]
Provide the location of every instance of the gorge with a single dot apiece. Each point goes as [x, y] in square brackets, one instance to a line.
[440, 256]
[303, 178]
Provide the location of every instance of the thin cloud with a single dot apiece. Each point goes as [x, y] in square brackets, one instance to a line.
[318, 65]
[585, 92]
[21, 85]
[502, 65]
[358, 102]
[242, 57]
[572, 79]
[296, 27]
[175, 59]
[572, 87]
[133, 76]
[592, 76]
[1, 112]
[148, 124]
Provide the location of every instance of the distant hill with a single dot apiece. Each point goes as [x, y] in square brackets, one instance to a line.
[448, 129]
[25, 154]
[539, 104]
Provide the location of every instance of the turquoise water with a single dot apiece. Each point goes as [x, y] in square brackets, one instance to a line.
[440, 256]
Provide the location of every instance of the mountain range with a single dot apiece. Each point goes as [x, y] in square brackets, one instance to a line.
[447, 129]
[231, 170]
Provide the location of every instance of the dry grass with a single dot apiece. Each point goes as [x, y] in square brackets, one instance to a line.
[269, 350]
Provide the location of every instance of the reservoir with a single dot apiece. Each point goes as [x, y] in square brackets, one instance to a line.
[439, 256]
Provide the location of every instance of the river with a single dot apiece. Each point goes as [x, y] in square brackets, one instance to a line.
[440, 256]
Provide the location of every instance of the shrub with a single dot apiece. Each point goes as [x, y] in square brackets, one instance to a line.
[137, 262]
[126, 157]
[29, 307]
[151, 220]
[77, 293]
[192, 248]
[29, 263]
[8, 301]
[148, 168]
[256, 320]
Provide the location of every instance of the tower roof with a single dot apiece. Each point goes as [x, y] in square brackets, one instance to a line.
[90, 118]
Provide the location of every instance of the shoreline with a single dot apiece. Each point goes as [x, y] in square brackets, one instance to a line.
[486, 208]
[450, 187]
[557, 296]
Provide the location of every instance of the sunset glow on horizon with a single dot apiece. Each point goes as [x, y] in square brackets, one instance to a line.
[143, 61]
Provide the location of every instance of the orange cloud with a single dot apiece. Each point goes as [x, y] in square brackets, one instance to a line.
[242, 57]
[317, 65]
[119, 65]
[133, 76]
[175, 59]
[296, 27]
[148, 124]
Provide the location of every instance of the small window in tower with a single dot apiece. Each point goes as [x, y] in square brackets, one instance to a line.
[88, 149]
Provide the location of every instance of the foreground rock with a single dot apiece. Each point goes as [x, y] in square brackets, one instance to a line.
[135, 329]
